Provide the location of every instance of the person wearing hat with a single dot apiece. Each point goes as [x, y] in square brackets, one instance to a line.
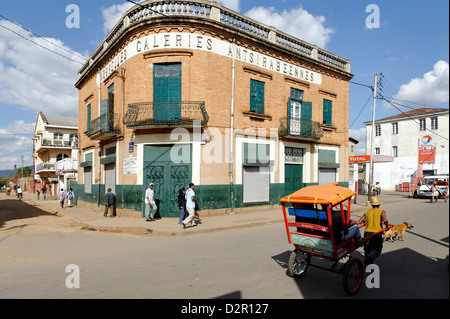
[374, 219]
[150, 205]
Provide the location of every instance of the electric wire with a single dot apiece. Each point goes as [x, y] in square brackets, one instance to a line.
[45, 39]
[43, 47]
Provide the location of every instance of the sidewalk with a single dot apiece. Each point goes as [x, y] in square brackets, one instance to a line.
[86, 219]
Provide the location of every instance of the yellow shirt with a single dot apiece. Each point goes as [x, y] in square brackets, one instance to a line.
[373, 220]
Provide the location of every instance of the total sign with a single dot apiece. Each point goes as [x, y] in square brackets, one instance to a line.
[427, 149]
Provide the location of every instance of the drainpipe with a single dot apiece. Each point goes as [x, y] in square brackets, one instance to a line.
[231, 127]
[99, 143]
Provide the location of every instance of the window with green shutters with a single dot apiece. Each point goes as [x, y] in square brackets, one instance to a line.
[89, 117]
[327, 112]
[257, 96]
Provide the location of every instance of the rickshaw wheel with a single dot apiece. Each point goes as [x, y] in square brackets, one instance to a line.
[353, 276]
[298, 263]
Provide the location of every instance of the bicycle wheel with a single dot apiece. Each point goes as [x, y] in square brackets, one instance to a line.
[298, 263]
[353, 276]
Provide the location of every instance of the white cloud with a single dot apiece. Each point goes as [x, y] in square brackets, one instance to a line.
[296, 22]
[231, 4]
[34, 78]
[431, 89]
[15, 139]
[112, 14]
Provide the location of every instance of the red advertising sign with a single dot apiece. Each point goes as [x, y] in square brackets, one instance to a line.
[427, 150]
[360, 158]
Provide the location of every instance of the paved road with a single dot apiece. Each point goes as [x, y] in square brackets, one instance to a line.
[245, 263]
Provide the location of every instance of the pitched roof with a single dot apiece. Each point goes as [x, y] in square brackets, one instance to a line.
[60, 120]
[412, 113]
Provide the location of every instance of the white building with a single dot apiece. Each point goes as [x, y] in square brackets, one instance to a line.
[400, 136]
[55, 151]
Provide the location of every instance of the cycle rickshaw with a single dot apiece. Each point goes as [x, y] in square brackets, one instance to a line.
[441, 189]
[313, 234]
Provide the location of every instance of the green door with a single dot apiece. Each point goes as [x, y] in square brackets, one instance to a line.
[167, 176]
[293, 178]
[167, 93]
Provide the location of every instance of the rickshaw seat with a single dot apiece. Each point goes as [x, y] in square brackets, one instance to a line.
[307, 213]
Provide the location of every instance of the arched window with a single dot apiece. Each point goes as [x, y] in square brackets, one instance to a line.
[58, 136]
[61, 156]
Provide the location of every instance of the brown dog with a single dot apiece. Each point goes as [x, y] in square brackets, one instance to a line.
[397, 230]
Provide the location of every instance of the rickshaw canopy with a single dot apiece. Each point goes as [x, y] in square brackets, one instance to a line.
[320, 194]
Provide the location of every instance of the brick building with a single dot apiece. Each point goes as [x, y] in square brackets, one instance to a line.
[190, 91]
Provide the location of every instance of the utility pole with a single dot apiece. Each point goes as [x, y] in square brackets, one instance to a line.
[371, 137]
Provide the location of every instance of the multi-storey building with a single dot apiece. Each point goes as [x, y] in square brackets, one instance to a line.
[55, 142]
[418, 142]
[190, 91]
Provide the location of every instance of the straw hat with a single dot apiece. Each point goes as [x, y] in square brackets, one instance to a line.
[150, 184]
[375, 201]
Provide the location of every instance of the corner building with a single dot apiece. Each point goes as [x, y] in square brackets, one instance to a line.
[190, 91]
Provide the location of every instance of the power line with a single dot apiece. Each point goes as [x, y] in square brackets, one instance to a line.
[365, 85]
[45, 39]
[18, 34]
[414, 120]
[136, 3]
[370, 96]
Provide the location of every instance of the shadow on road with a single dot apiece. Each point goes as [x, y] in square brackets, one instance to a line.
[404, 273]
[14, 209]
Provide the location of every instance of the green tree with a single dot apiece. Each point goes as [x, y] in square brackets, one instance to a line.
[26, 172]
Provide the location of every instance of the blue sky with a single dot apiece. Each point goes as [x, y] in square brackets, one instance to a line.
[410, 48]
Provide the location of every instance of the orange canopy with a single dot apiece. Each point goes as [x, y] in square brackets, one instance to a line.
[320, 194]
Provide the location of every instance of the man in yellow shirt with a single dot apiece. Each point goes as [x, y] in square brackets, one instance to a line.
[374, 218]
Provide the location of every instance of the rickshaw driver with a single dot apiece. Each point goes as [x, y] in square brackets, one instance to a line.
[338, 228]
[374, 218]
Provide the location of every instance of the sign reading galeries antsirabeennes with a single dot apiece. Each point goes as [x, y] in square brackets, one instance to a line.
[206, 43]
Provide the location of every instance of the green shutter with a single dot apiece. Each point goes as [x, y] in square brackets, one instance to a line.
[327, 109]
[167, 88]
[89, 117]
[257, 96]
[306, 123]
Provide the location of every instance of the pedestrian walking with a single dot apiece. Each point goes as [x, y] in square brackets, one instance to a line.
[374, 219]
[44, 191]
[150, 205]
[190, 206]
[62, 197]
[38, 193]
[182, 204]
[70, 197]
[110, 202]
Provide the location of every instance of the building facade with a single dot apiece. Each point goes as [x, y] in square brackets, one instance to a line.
[418, 142]
[190, 91]
[55, 142]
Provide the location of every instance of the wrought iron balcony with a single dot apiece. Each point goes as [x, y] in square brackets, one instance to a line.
[104, 126]
[165, 114]
[300, 128]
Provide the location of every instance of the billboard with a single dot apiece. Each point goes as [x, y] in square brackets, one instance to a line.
[427, 149]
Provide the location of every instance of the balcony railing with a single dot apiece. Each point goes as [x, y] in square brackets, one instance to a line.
[45, 167]
[165, 114]
[104, 126]
[59, 143]
[295, 127]
[212, 11]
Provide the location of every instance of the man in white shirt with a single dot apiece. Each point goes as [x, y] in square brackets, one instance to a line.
[150, 205]
[190, 206]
